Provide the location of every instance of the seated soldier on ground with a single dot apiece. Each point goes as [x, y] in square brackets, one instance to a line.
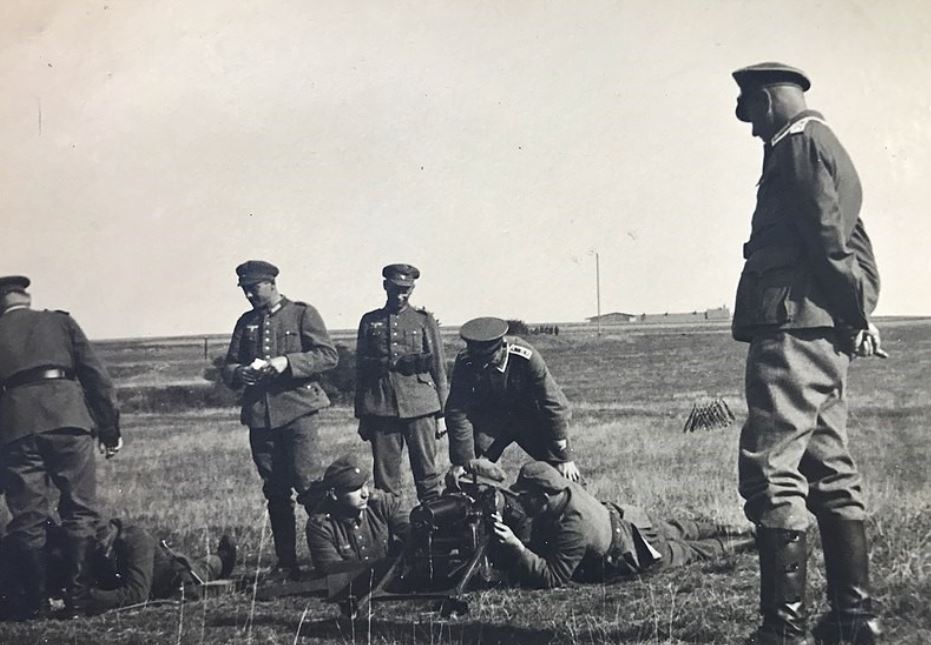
[353, 523]
[576, 537]
[129, 566]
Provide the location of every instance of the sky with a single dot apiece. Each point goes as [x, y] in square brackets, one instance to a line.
[150, 147]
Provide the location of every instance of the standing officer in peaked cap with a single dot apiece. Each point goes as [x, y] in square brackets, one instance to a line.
[401, 385]
[807, 290]
[354, 524]
[55, 394]
[501, 392]
[276, 354]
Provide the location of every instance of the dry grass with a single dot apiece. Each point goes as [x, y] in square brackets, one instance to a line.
[190, 478]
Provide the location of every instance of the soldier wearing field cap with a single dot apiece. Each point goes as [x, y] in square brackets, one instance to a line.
[576, 537]
[354, 524]
[55, 395]
[804, 300]
[401, 385]
[501, 392]
[277, 352]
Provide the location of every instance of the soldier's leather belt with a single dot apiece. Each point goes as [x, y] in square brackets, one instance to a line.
[37, 375]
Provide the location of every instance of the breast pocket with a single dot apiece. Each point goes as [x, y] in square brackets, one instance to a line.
[413, 341]
[289, 342]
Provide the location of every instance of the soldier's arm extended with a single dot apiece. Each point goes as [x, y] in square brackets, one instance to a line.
[434, 345]
[825, 229]
[564, 552]
[96, 382]
[461, 439]
[136, 556]
[322, 545]
[361, 353]
[553, 406]
[318, 352]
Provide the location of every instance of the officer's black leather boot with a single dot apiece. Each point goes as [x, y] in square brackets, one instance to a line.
[226, 551]
[77, 592]
[783, 567]
[852, 619]
[281, 517]
[31, 601]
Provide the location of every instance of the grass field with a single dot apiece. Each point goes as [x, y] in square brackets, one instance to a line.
[189, 478]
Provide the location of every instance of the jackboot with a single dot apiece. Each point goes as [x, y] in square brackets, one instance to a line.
[783, 569]
[281, 517]
[852, 619]
[77, 591]
[30, 600]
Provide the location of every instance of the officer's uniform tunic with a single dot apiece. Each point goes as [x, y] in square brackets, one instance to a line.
[280, 410]
[400, 392]
[809, 274]
[514, 400]
[46, 424]
[590, 541]
[333, 537]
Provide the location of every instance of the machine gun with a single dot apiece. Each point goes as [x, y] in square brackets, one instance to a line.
[446, 553]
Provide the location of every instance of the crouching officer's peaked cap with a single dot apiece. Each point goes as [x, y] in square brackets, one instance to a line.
[344, 474]
[483, 330]
[10, 283]
[539, 475]
[752, 78]
[255, 271]
[402, 275]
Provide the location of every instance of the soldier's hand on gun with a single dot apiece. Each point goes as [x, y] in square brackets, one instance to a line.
[453, 475]
[569, 470]
[504, 534]
[440, 427]
[867, 342]
[109, 449]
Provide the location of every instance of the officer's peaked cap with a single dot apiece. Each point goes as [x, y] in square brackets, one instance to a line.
[754, 77]
[483, 330]
[10, 283]
[402, 275]
[253, 271]
[345, 473]
[539, 475]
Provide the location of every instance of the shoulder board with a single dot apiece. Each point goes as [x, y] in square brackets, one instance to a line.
[523, 352]
[423, 310]
[797, 128]
[61, 311]
[300, 303]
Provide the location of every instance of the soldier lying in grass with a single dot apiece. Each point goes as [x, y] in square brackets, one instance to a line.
[576, 537]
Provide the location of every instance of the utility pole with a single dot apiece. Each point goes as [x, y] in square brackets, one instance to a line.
[598, 292]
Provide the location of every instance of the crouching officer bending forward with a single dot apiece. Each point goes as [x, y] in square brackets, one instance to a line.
[502, 392]
[354, 524]
[576, 537]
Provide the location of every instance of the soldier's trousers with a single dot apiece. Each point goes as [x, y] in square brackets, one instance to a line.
[30, 466]
[684, 541]
[388, 436]
[793, 447]
[287, 458]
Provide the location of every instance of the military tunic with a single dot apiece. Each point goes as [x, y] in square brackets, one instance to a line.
[809, 280]
[46, 424]
[280, 409]
[400, 391]
[591, 541]
[516, 399]
[333, 537]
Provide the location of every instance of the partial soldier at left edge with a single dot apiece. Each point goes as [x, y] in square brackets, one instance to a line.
[56, 396]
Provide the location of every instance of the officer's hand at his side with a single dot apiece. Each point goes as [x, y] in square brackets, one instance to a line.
[440, 427]
[365, 429]
[867, 342]
[504, 534]
[453, 475]
[569, 470]
[108, 448]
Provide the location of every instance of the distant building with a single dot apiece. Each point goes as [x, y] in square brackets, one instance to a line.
[718, 314]
[613, 318]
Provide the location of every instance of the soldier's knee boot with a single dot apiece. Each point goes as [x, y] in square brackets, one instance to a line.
[783, 569]
[284, 533]
[852, 619]
[79, 583]
[30, 600]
